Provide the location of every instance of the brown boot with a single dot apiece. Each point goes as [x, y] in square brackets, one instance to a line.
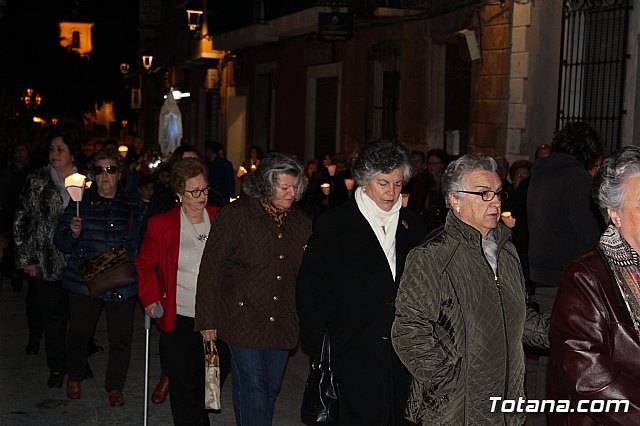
[161, 391]
[73, 389]
[115, 398]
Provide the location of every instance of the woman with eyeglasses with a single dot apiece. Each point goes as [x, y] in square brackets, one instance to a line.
[168, 267]
[461, 313]
[108, 220]
[40, 205]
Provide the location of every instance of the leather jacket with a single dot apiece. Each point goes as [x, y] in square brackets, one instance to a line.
[595, 350]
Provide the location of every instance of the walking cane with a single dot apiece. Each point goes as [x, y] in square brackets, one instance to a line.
[147, 331]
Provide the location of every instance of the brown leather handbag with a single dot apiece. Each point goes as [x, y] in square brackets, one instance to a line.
[107, 271]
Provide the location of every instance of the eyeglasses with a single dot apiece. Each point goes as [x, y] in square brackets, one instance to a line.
[489, 195]
[112, 170]
[196, 193]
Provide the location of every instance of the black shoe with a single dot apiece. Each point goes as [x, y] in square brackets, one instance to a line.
[93, 347]
[88, 373]
[55, 380]
[32, 348]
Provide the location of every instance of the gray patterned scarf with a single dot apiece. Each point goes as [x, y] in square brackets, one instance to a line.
[625, 267]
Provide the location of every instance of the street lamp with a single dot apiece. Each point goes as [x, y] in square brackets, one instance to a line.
[194, 15]
[195, 11]
[147, 61]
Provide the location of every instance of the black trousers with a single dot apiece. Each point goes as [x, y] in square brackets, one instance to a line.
[162, 348]
[185, 366]
[34, 313]
[52, 301]
[84, 314]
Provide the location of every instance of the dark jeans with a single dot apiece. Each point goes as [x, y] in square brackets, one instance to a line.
[52, 301]
[84, 316]
[257, 377]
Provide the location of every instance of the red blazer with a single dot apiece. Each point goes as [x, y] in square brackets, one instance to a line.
[157, 263]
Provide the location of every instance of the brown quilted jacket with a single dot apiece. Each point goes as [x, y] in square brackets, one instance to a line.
[246, 283]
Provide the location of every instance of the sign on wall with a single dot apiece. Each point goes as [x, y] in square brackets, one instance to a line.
[335, 26]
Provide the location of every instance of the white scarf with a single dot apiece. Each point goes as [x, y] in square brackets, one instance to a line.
[384, 224]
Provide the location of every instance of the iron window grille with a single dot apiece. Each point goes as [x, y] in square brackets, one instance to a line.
[592, 66]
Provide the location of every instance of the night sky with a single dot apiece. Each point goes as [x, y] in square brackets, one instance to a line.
[30, 54]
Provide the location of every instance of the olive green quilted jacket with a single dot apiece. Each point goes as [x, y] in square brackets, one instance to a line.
[459, 328]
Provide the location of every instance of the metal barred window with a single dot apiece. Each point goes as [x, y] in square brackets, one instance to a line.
[592, 66]
[384, 87]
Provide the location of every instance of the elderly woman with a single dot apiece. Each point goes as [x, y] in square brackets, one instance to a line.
[168, 267]
[461, 314]
[246, 285]
[348, 282]
[595, 323]
[41, 204]
[107, 220]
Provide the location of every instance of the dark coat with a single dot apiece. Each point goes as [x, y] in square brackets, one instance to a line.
[459, 328]
[563, 221]
[39, 208]
[345, 281]
[595, 350]
[157, 264]
[246, 283]
[105, 224]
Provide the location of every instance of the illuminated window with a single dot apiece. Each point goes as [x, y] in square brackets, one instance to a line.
[75, 40]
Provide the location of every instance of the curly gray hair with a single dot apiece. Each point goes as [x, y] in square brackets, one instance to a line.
[453, 177]
[382, 156]
[261, 183]
[611, 180]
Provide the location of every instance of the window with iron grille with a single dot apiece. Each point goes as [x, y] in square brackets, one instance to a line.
[592, 66]
[383, 91]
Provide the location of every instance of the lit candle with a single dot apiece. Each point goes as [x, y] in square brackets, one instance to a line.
[122, 149]
[75, 187]
[241, 171]
[506, 214]
[253, 167]
[405, 200]
[349, 183]
[326, 188]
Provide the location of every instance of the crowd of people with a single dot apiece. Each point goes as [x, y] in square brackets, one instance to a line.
[431, 275]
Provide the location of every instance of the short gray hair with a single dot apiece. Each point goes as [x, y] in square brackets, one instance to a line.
[611, 181]
[261, 183]
[382, 156]
[452, 179]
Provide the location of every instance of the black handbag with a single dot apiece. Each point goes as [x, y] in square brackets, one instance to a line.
[320, 400]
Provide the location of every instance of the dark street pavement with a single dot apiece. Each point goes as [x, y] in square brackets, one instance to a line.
[26, 400]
